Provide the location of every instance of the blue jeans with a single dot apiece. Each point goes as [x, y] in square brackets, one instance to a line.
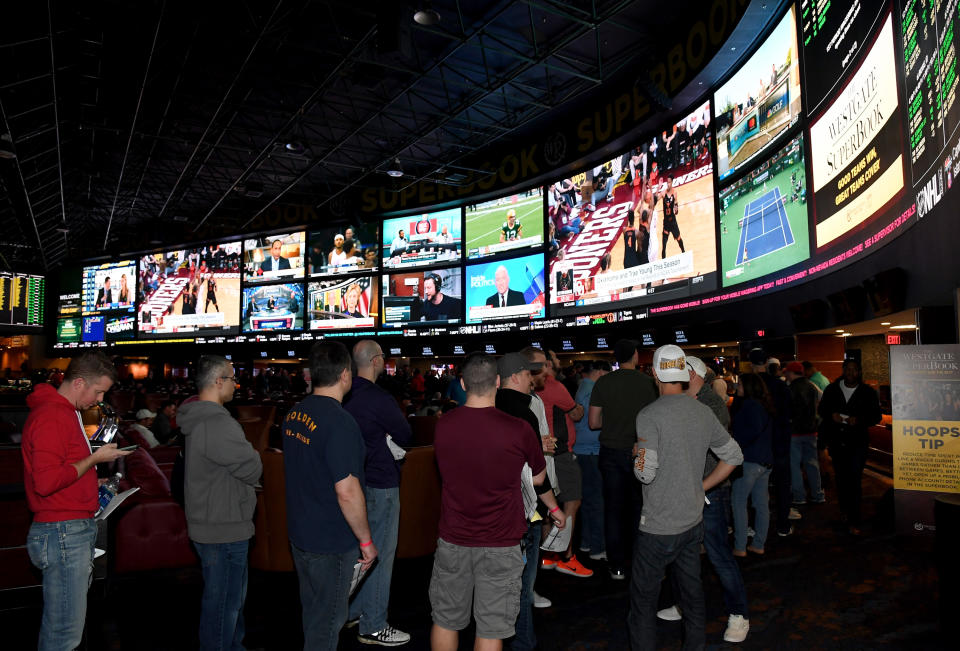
[803, 455]
[63, 551]
[324, 591]
[572, 228]
[525, 638]
[224, 568]
[652, 554]
[604, 192]
[715, 539]
[622, 504]
[591, 510]
[754, 484]
[373, 597]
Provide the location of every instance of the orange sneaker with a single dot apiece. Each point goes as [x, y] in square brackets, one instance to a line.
[573, 567]
[548, 561]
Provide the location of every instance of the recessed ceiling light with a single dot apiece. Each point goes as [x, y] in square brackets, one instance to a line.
[904, 327]
[426, 15]
[884, 323]
[703, 345]
[840, 330]
[845, 334]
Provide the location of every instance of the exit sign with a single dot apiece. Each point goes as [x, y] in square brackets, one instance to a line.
[893, 338]
[761, 334]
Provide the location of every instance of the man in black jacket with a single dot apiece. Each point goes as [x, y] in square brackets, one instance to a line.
[782, 402]
[803, 442]
[848, 409]
[514, 397]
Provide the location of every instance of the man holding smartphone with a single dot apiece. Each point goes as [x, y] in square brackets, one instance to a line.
[60, 481]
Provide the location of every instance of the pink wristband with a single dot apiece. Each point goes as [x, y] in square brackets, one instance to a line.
[554, 509]
[366, 544]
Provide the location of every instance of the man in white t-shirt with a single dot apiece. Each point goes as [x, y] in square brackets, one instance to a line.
[144, 421]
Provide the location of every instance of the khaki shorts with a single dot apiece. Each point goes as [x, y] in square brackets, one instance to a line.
[569, 477]
[487, 576]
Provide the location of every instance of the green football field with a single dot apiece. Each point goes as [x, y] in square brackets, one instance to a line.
[776, 260]
[483, 225]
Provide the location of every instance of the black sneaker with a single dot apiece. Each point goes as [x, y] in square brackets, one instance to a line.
[784, 534]
[351, 623]
[388, 636]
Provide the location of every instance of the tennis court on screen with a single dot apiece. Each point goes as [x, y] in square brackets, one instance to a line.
[764, 227]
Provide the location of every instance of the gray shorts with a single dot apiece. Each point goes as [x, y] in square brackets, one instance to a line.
[569, 477]
[488, 576]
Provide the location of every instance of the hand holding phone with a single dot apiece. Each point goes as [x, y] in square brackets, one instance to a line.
[129, 448]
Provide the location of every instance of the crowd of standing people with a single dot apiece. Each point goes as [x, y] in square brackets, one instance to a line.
[651, 463]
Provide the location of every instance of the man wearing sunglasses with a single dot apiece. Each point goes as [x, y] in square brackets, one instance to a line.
[221, 471]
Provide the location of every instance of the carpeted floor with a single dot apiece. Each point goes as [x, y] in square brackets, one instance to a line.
[818, 589]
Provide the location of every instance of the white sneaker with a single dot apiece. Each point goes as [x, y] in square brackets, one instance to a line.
[671, 614]
[750, 532]
[539, 601]
[794, 514]
[602, 556]
[388, 636]
[737, 629]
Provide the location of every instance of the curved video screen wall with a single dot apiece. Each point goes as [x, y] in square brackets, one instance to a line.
[832, 136]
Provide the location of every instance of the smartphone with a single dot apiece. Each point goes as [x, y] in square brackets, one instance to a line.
[129, 448]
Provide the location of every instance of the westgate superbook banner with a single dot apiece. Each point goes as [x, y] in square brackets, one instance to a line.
[857, 146]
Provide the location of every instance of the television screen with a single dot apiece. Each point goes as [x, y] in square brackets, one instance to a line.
[505, 224]
[343, 303]
[273, 257]
[431, 298]
[642, 226]
[110, 286]
[69, 330]
[273, 307]
[506, 290]
[760, 100]
[856, 145]
[120, 327]
[343, 249]
[194, 291]
[832, 34]
[21, 299]
[93, 331]
[763, 218]
[418, 240]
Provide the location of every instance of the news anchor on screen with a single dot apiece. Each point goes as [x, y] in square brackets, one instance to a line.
[105, 296]
[505, 297]
[275, 262]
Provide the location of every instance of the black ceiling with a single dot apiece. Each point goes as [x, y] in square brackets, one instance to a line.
[138, 123]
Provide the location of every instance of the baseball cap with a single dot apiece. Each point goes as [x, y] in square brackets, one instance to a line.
[773, 360]
[624, 349]
[697, 366]
[795, 367]
[512, 363]
[670, 364]
[146, 413]
[757, 356]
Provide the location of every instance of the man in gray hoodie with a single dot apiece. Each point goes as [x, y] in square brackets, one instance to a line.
[221, 471]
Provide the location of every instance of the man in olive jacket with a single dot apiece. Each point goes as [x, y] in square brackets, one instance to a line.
[221, 471]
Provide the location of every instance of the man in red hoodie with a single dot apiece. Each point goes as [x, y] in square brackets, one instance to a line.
[61, 485]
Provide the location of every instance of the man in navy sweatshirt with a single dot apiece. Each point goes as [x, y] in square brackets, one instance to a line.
[378, 415]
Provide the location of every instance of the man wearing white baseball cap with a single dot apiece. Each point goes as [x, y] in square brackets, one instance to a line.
[144, 423]
[674, 434]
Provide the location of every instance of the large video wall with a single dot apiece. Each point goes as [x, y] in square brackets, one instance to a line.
[832, 136]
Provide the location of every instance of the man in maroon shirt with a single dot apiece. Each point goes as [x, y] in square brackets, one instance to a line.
[61, 486]
[480, 453]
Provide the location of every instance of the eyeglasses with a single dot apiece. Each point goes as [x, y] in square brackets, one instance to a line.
[232, 378]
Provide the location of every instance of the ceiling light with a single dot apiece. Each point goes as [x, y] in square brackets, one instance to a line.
[6, 147]
[840, 330]
[294, 146]
[395, 170]
[426, 14]
[884, 323]
[703, 345]
[904, 327]
[846, 334]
